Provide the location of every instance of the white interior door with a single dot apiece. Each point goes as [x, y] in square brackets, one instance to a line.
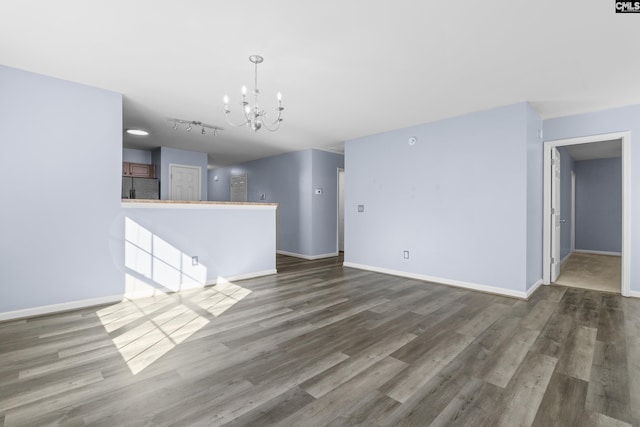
[184, 182]
[555, 214]
[239, 188]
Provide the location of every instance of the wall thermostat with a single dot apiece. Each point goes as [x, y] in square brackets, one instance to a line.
[412, 140]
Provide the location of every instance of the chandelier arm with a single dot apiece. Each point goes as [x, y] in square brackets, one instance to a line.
[273, 126]
[235, 124]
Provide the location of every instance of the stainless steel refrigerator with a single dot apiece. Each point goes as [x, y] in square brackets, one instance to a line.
[140, 188]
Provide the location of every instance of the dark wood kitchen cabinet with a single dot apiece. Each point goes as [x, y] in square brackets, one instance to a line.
[138, 170]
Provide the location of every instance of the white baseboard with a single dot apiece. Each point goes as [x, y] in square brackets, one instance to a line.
[307, 257]
[211, 282]
[75, 305]
[565, 259]
[532, 289]
[57, 308]
[587, 251]
[634, 294]
[457, 283]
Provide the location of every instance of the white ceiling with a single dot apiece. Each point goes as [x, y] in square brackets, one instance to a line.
[345, 68]
[595, 150]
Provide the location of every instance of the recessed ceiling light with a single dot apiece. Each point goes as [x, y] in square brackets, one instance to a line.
[138, 132]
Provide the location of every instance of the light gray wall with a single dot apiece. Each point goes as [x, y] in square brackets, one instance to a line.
[136, 156]
[457, 199]
[168, 156]
[599, 205]
[306, 222]
[602, 122]
[228, 242]
[60, 158]
[566, 166]
[535, 190]
[324, 207]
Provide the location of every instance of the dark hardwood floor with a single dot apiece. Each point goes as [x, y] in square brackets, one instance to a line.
[319, 344]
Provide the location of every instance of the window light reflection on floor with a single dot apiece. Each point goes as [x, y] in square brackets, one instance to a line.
[145, 329]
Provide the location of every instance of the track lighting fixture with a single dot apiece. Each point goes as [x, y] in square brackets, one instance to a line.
[191, 123]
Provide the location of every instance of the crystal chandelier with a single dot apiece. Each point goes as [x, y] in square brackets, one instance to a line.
[254, 117]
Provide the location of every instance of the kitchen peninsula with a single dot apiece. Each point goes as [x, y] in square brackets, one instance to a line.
[174, 245]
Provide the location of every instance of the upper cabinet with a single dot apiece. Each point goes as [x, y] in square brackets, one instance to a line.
[138, 170]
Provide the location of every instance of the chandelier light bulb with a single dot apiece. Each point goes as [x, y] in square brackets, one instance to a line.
[203, 132]
[244, 90]
[225, 99]
[189, 128]
[279, 96]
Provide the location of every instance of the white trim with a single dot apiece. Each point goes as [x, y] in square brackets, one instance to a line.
[634, 294]
[211, 282]
[456, 283]
[573, 211]
[338, 211]
[57, 308]
[587, 251]
[307, 257]
[76, 305]
[566, 258]
[199, 168]
[534, 288]
[199, 205]
[626, 202]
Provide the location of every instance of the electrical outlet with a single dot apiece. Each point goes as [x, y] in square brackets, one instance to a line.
[360, 208]
[194, 260]
[406, 254]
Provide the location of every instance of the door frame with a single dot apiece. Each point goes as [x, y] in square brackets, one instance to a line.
[573, 212]
[338, 211]
[625, 289]
[198, 168]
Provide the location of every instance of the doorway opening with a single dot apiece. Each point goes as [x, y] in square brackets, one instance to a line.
[581, 240]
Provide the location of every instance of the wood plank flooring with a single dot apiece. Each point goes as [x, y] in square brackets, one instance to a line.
[323, 345]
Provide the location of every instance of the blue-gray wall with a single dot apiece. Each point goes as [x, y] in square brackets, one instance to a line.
[306, 221]
[324, 207]
[535, 190]
[566, 166]
[136, 156]
[56, 218]
[599, 205]
[458, 199]
[165, 156]
[603, 122]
